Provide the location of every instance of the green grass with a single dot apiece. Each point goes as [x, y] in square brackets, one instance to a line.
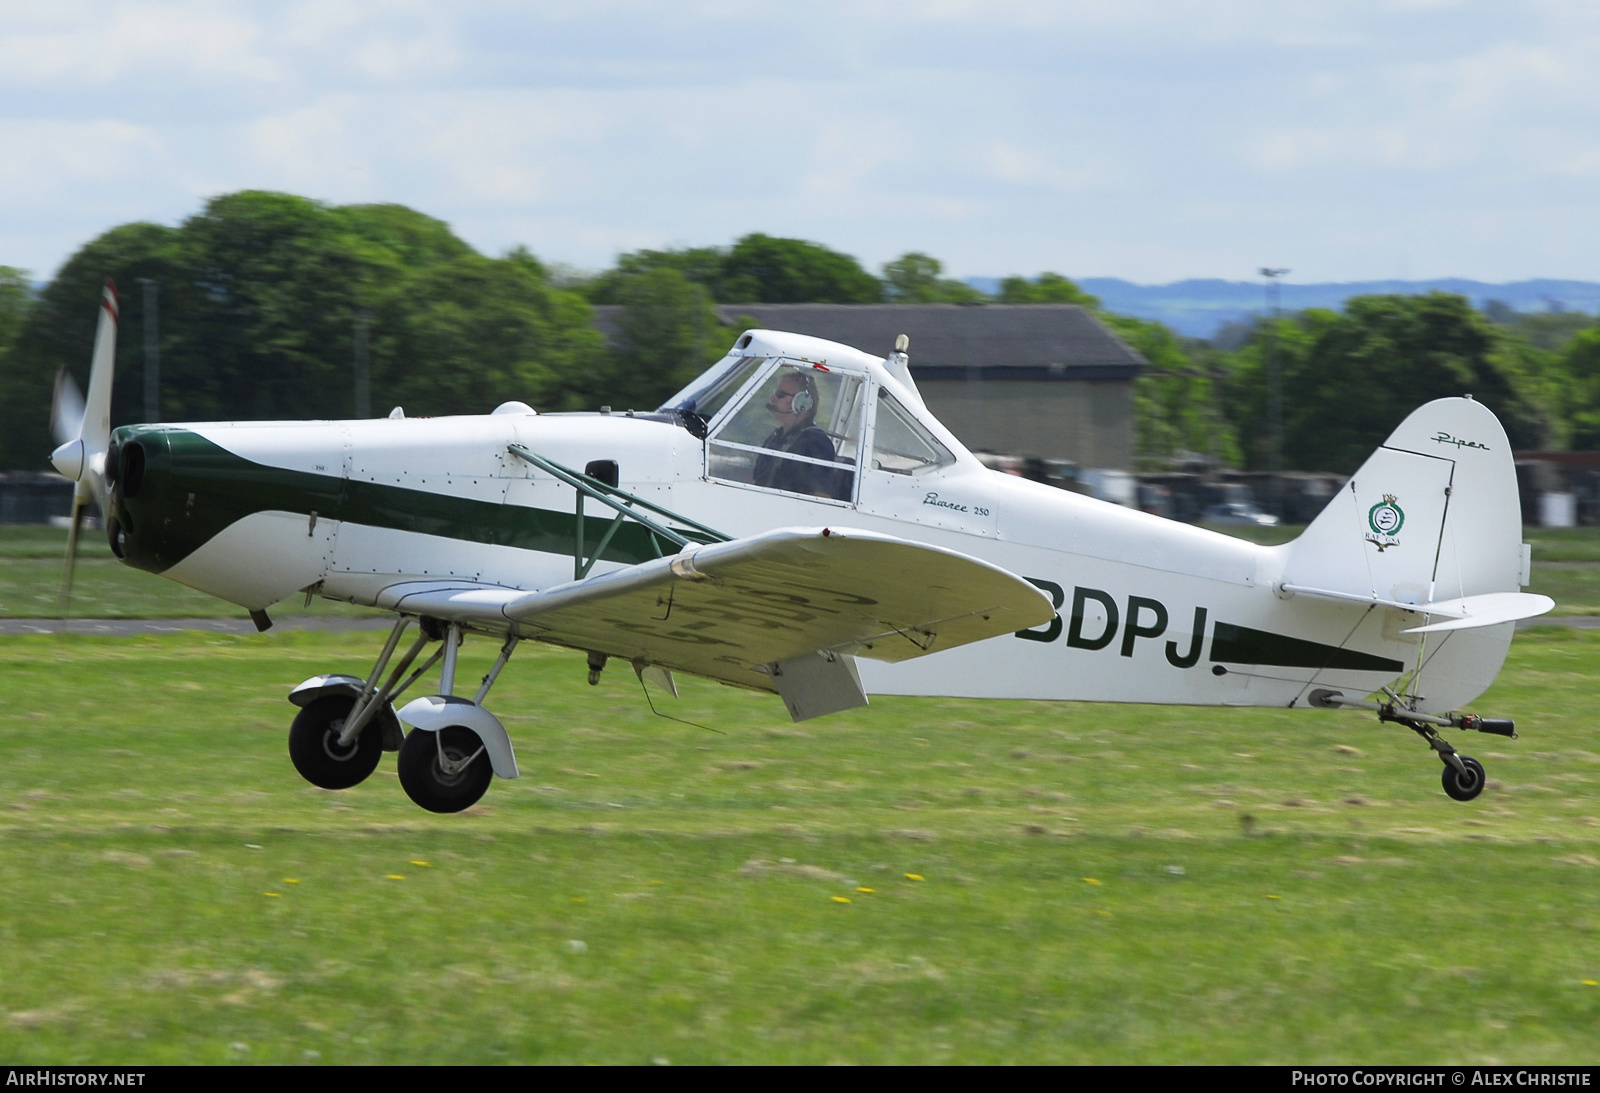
[31, 560]
[1575, 586]
[1564, 544]
[1099, 884]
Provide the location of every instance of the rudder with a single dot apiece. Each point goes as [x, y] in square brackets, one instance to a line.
[1432, 515]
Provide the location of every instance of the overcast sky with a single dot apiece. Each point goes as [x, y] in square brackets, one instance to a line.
[1147, 140]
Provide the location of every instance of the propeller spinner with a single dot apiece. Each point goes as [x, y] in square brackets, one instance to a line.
[82, 429]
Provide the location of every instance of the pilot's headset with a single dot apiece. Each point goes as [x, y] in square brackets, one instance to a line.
[805, 399]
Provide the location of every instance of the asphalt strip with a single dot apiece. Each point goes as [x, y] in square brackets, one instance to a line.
[121, 628]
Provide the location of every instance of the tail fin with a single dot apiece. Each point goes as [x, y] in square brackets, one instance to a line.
[1431, 515]
[1432, 518]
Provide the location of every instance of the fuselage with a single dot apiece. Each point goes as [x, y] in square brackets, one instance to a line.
[1150, 610]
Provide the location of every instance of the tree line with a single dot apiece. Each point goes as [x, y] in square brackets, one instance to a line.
[263, 297]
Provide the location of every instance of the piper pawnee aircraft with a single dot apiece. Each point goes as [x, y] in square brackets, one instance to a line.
[796, 521]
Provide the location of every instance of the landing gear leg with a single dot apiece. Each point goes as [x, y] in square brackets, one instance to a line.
[374, 702]
[1463, 775]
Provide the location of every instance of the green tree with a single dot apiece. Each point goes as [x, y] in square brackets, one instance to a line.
[16, 297]
[1580, 361]
[701, 265]
[668, 334]
[1176, 406]
[259, 294]
[1047, 288]
[914, 278]
[768, 270]
[758, 268]
[58, 330]
[1349, 378]
[463, 336]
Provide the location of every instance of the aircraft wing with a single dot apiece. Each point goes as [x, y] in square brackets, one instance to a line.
[731, 610]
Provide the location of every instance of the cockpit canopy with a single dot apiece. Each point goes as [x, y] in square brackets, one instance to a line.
[795, 414]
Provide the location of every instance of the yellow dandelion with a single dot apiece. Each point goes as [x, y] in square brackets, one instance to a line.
[1274, 897]
[841, 899]
[580, 899]
[291, 880]
[274, 895]
[424, 864]
[1591, 982]
[861, 889]
[1106, 913]
[394, 876]
[914, 876]
[1091, 880]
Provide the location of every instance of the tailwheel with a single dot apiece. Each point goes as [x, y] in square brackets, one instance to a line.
[444, 771]
[317, 753]
[1464, 787]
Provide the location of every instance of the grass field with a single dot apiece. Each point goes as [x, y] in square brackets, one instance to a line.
[921, 881]
[102, 587]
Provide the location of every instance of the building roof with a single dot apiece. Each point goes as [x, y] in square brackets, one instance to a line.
[952, 341]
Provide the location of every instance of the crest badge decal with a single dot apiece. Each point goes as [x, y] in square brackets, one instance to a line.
[1385, 520]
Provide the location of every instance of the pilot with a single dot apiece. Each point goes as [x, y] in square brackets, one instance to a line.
[794, 406]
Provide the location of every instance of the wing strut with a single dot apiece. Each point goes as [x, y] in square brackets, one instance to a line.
[626, 505]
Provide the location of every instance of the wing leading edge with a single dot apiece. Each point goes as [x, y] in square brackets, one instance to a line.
[740, 611]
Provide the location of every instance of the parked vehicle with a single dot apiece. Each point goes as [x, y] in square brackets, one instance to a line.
[1237, 513]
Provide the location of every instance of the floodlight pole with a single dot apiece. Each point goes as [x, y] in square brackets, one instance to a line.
[152, 352]
[1274, 375]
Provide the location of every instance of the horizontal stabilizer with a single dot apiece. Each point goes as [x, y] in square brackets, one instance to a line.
[1490, 609]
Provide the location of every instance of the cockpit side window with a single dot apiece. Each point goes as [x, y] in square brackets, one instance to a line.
[799, 432]
[901, 444]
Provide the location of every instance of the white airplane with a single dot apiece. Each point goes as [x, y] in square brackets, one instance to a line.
[796, 521]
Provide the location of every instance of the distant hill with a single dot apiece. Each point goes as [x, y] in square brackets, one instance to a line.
[1198, 308]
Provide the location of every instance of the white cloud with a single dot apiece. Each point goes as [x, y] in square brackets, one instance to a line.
[41, 158]
[1147, 138]
[99, 44]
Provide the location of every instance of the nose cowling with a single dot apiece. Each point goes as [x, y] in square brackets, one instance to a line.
[141, 509]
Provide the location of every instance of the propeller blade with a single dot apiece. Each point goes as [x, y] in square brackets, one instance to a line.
[82, 428]
[80, 505]
[66, 409]
[97, 406]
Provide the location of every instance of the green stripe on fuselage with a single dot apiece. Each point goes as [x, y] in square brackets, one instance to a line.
[164, 525]
[1232, 644]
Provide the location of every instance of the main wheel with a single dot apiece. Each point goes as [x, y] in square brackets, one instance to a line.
[428, 783]
[1464, 788]
[314, 744]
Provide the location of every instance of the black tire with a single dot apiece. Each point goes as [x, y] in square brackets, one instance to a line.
[425, 781]
[314, 744]
[1464, 789]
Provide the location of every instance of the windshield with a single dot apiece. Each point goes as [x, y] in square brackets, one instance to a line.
[712, 389]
